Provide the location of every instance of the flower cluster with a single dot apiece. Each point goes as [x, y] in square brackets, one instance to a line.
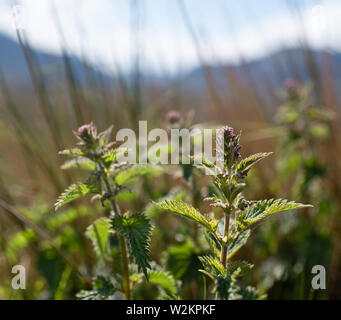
[173, 117]
[239, 215]
[87, 134]
[229, 146]
[292, 89]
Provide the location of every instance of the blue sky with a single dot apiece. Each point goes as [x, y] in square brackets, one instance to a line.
[228, 28]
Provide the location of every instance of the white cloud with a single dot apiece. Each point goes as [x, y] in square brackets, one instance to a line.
[101, 29]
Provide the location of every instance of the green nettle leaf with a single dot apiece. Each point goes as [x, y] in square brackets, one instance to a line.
[223, 285]
[105, 136]
[243, 267]
[164, 280]
[265, 208]
[137, 230]
[228, 288]
[245, 164]
[186, 210]
[206, 166]
[251, 293]
[75, 191]
[110, 156]
[212, 265]
[79, 163]
[99, 233]
[212, 242]
[129, 175]
[73, 152]
[103, 289]
[174, 194]
[237, 243]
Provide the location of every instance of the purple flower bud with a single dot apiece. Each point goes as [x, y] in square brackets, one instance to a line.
[173, 116]
[84, 129]
[87, 132]
[292, 87]
[290, 83]
[230, 142]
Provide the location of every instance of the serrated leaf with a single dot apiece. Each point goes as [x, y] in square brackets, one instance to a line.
[251, 293]
[227, 286]
[174, 194]
[265, 208]
[223, 285]
[245, 164]
[73, 152]
[79, 163]
[137, 230]
[213, 243]
[73, 192]
[103, 289]
[207, 166]
[243, 267]
[212, 265]
[110, 156]
[164, 280]
[186, 210]
[98, 233]
[104, 136]
[237, 243]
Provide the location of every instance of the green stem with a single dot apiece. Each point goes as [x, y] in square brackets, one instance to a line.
[123, 245]
[223, 253]
[125, 264]
[124, 256]
[205, 288]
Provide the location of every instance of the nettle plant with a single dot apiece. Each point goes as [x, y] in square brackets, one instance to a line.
[226, 236]
[304, 126]
[107, 178]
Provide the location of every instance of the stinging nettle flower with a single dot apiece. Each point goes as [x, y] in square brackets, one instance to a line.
[292, 88]
[228, 145]
[84, 129]
[86, 133]
[239, 216]
[173, 117]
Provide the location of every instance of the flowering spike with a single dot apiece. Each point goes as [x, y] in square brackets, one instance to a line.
[173, 117]
[229, 145]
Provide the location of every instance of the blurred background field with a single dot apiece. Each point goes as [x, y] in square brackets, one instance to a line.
[269, 68]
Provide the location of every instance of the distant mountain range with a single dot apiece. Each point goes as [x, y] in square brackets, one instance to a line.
[272, 69]
[14, 67]
[276, 68]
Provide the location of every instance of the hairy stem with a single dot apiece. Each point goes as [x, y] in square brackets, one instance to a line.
[124, 253]
[223, 255]
[125, 264]
[124, 256]
[223, 252]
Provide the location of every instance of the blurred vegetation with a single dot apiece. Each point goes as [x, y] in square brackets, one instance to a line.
[303, 128]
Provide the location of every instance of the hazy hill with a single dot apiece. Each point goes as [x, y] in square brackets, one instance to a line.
[13, 65]
[272, 69]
